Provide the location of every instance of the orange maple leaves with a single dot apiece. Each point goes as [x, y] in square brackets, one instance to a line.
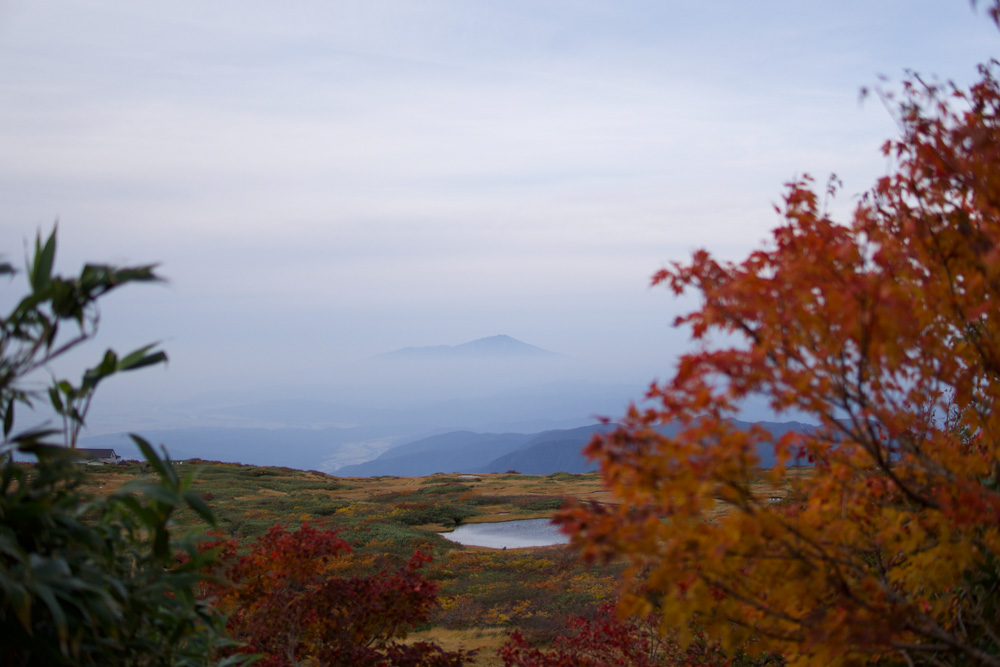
[886, 332]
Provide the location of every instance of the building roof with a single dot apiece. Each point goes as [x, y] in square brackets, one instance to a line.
[98, 453]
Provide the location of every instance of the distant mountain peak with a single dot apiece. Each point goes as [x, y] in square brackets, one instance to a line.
[500, 346]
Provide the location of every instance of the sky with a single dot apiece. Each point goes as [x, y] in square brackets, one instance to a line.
[323, 181]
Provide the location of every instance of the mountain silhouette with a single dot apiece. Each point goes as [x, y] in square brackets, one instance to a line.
[493, 347]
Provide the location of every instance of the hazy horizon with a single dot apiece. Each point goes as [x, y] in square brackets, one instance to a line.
[323, 182]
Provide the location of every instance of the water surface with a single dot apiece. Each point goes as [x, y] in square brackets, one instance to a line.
[508, 534]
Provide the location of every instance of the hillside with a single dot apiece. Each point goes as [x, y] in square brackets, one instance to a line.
[485, 593]
[458, 451]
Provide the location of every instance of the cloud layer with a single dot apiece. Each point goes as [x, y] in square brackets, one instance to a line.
[324, 181]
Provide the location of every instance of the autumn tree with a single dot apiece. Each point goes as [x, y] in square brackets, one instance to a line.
[885, 332]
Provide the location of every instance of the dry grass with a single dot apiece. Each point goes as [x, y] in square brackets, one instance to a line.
[587, 487]
[485, 640]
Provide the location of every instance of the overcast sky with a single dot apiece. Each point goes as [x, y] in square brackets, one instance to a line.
[323, 181]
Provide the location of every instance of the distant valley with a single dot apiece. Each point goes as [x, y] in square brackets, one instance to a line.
[534, 454]
[489, 405]
[547, 452]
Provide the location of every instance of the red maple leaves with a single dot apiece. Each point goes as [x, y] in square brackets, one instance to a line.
[285, 601]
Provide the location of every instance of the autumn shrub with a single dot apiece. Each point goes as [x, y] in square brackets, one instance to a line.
[602, 639]
[290, 606]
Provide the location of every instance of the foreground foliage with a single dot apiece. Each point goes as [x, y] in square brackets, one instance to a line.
[87, 580]
[99, 579]
[94, 581]
[886, 333]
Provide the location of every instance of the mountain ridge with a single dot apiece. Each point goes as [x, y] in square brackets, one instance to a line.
[556, 450]
[500, 346]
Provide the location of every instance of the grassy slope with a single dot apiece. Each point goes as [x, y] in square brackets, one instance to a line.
[484, 592]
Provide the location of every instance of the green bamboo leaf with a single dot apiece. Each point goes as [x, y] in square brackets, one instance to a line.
[56, 400]
[108, 366]
[159, 492]
[51, 567]
[137, 274]
[58, 615]
[65, 299]
[30, 442]
[161, 543]
[140, 511]
[163, 469]
[93, 275]
[198, 504]
[19, 599]
[93, 579]
[8, 418]
[41, 269]
[141, 358]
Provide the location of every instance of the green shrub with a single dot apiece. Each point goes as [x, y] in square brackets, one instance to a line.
[446, 514]
[327, 509]
[449, 479]
[86, 580]
[90, 581]
[441, 489]
[545, 504]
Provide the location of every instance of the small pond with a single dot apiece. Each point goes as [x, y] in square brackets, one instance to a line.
[508, 534]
